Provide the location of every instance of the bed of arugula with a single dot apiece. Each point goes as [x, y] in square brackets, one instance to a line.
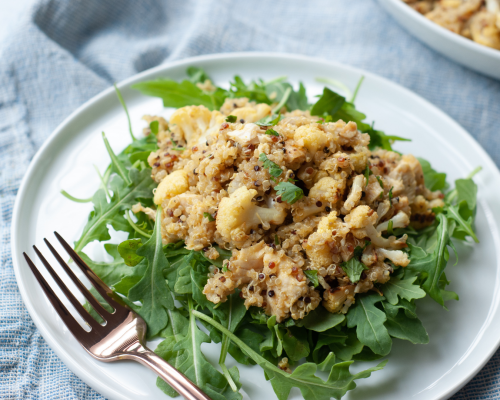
[164, 284]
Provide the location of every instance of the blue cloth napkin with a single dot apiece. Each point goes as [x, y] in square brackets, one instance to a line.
[64, 52]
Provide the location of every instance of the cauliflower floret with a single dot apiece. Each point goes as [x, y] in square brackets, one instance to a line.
[361, 220]
[321, 246]
[373, 190]
[338, 299]
[400, 220]
[240, 266]
[327, 190]
[172, 185]
[398, 257]
[252, 112]
[146, 210]
[313, 138]
[192, 122]
[354, 196]
[237, 215]
[324, 193]
[246, 135]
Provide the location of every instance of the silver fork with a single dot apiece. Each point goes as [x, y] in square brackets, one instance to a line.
[122, 337]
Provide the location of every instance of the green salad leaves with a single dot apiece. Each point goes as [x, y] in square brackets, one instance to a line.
[164, 283]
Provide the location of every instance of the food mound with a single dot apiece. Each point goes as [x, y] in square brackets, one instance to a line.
[478, 20]
[299, 201]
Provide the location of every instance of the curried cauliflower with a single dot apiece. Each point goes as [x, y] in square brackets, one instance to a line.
[192, 122]
[172, 185]
[215, 188]
[312, 138]
[238, 214]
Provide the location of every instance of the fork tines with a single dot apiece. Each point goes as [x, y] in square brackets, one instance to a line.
[75, 328]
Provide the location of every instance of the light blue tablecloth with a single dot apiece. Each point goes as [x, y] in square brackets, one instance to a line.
[64, 52]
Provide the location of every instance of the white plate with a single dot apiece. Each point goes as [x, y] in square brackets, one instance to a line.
[461, 339]
[464, 51]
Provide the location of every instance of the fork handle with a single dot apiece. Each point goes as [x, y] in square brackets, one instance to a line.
[179, 382]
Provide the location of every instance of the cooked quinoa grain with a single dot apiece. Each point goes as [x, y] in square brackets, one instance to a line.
[273, 239]
[478, 20]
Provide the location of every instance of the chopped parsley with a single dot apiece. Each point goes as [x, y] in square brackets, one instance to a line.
[380, 181]
[354, 267]
[289, 192]
[390, 195]
[389, 228]
[368, 172]
[267, 121]
[208, 216]
[276, 240]
[231, 118]
[312, 275]
[273, 168]
[272, 132]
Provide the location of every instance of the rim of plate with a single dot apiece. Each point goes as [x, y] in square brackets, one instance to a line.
[58, 348]
[470, 44]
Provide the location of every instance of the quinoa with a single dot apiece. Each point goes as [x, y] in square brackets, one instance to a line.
[214, 190]
[478, 20]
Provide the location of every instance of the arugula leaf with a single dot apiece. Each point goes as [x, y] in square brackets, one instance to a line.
[329, 103]
[320, 320]
[298, 100]
[197, 75]
[154, 125]
[400, 326]
[295, 344]
[289, 192]
[152, 290]
[433, 180]
[369, 322]
[122, 102]
[349, 348]
[110, 272]
[465, 226]
[128, 250]
[430, 265]
[173, 333]
[405, 289]
[466, 191]
[75, 199]
[329, 337]
[273, 168]
[252, 339]
[354, 268]
[181, 94]
[234, 310]
[339, 381]
[193, 363]
[110, 213]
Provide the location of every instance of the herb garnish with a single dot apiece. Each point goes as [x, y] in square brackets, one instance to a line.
[289, 192]
[231, 118]
[273, 168]
[208, 216]
[271, 132]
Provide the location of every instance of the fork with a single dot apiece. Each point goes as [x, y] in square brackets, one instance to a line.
[121, 337]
